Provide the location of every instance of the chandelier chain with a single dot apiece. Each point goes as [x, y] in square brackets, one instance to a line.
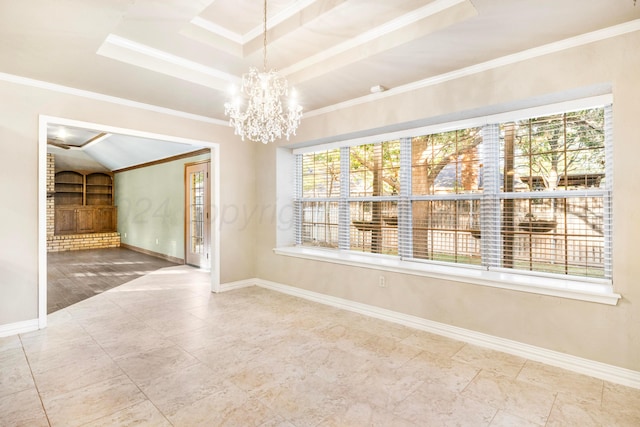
[264, 38]
[269, 112]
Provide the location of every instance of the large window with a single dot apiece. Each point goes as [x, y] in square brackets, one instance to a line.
[528, 195]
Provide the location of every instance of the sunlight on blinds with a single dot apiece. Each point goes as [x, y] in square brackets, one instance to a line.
[531, 195]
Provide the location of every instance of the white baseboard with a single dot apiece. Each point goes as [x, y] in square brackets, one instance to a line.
[230, 286]
[18, 327]
[580, 365]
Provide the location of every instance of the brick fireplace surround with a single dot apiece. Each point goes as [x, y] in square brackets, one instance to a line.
[71, 242]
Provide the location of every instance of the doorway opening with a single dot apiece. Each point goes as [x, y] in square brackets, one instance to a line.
[45, 193]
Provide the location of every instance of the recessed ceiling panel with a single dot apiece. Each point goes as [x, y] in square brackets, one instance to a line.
[242, 16]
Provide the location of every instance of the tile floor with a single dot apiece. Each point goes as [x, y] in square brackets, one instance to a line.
[162, 350]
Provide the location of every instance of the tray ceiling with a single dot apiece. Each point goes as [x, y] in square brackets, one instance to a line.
[185, 54]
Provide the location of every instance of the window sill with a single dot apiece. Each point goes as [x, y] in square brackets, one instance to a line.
[591, 290]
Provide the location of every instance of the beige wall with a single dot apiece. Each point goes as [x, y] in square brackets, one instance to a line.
[20, 107]
[608, 334]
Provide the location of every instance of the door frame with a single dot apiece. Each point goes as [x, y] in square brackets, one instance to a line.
[214, 196]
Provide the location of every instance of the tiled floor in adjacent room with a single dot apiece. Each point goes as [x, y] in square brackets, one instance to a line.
[162, 350]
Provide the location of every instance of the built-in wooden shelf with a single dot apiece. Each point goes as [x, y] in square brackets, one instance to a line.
[84, 202]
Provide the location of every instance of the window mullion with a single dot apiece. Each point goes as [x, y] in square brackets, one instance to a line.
[297, 202]
[344, 217]
[608, 202]
[405, 218]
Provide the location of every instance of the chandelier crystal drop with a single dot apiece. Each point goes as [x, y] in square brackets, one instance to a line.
[264, 119]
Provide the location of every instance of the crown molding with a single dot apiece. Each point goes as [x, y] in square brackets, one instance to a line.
[218, 30]
[149, 51]
[572, 42]
[25, 81]
[141, 55]
[368, 36]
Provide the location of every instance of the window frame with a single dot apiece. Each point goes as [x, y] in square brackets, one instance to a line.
[574, 287]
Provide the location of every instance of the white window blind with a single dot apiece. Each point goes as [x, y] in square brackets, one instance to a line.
[445, 196]
[531, 195]
[317, 207]
[552, 195]
[374, 190]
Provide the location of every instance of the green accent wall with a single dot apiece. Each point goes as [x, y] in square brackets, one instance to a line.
[150, 203]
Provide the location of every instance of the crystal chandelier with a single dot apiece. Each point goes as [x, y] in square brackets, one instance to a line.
[264, 119]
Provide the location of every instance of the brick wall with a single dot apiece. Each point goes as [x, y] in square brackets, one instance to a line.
[76, 242]
[51, 187]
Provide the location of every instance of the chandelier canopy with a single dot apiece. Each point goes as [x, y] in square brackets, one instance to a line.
[265, 119]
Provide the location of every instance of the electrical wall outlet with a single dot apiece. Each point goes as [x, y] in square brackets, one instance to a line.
[382, 282]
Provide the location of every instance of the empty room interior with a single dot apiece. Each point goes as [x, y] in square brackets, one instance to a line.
[319, 213]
